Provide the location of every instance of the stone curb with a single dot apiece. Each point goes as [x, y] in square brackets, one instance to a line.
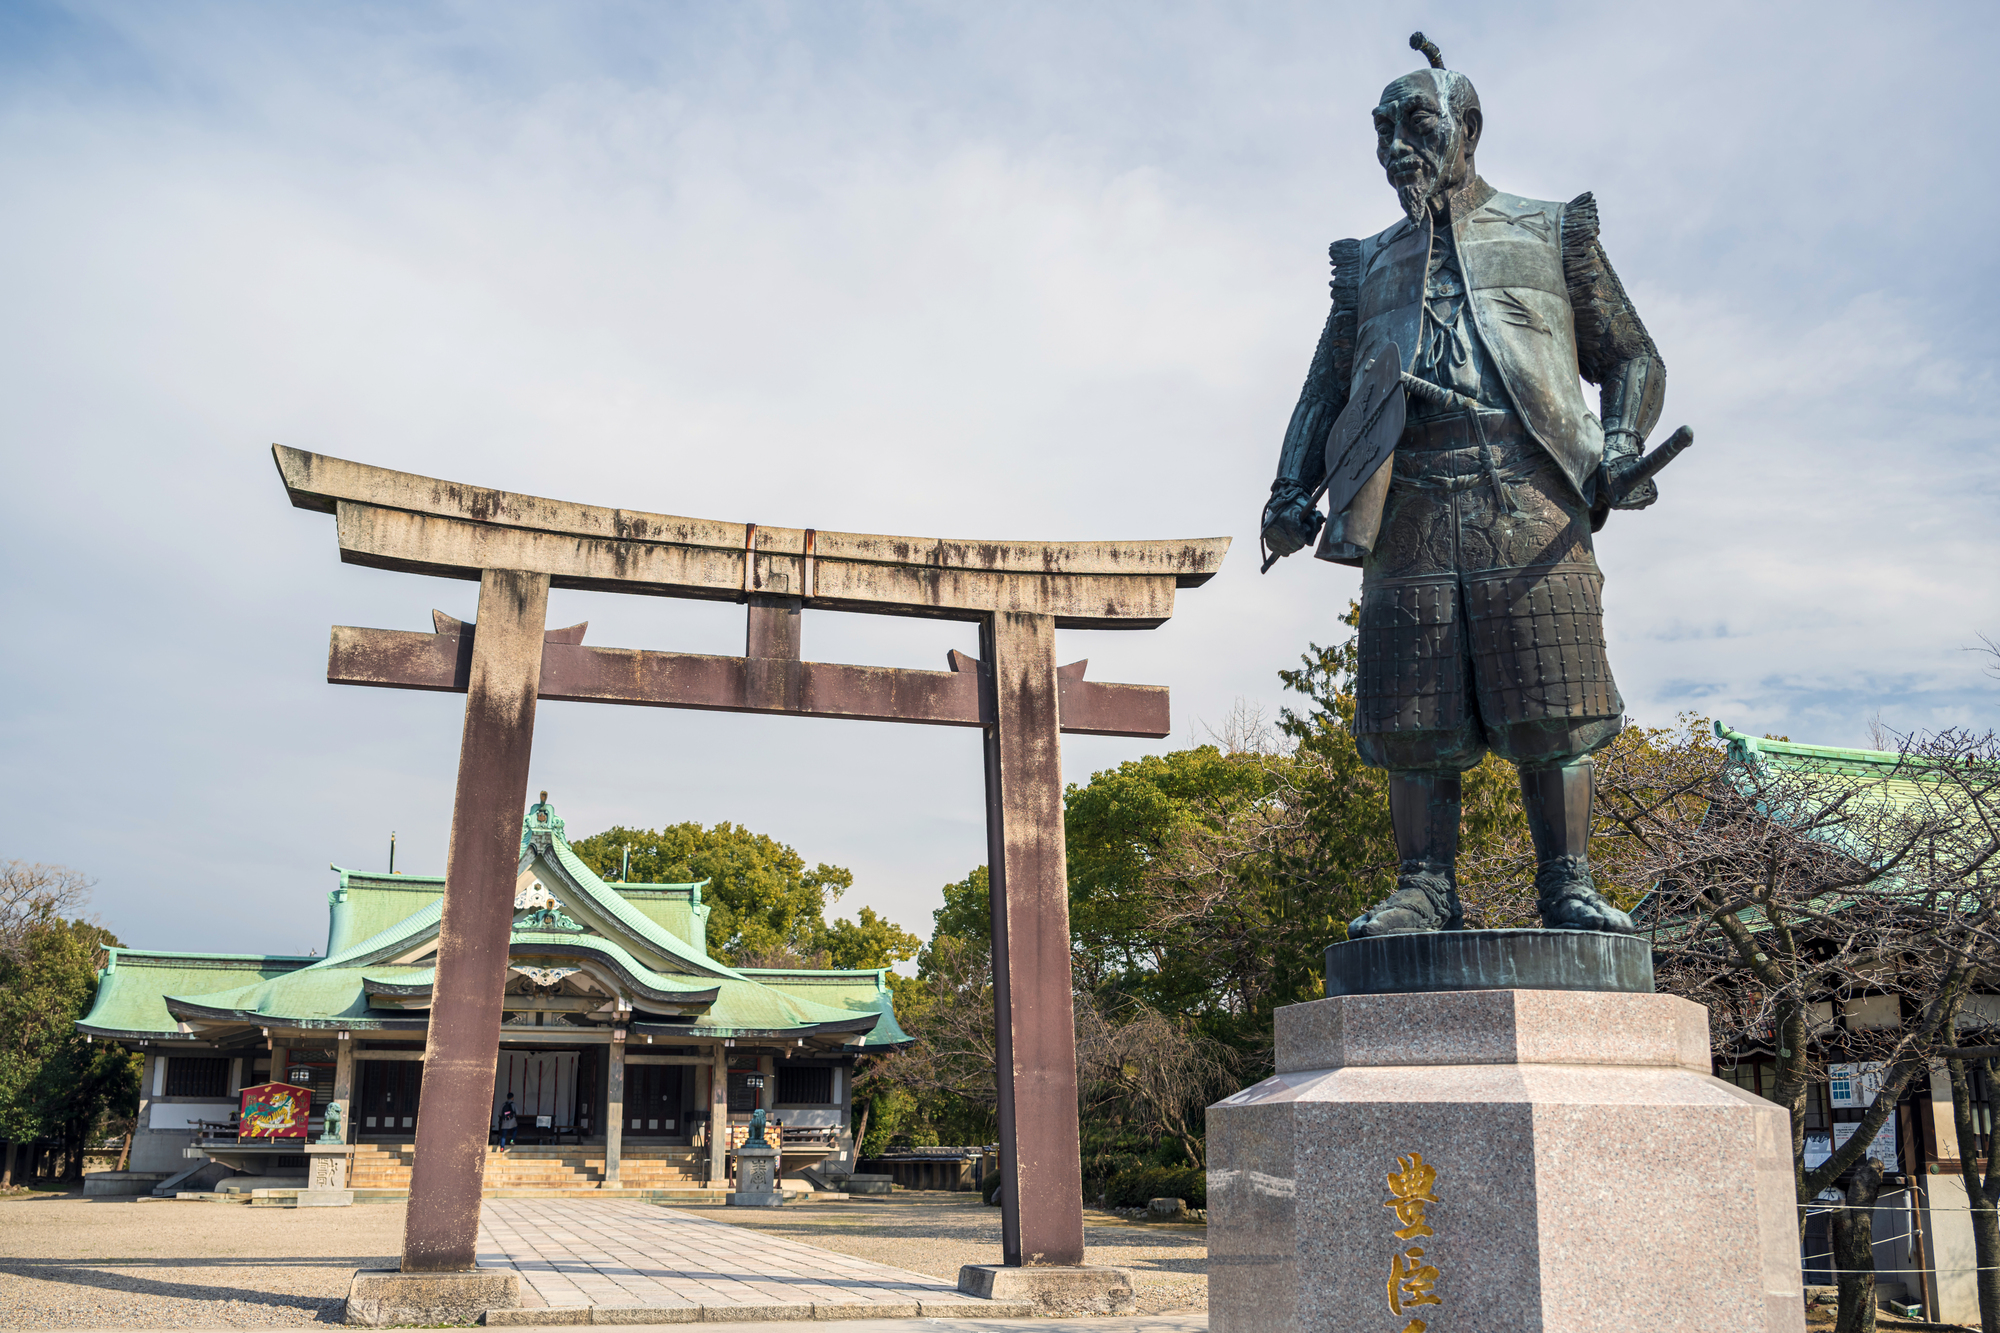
[792, 1311]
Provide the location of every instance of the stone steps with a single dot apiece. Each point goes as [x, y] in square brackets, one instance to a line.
[538, 1170]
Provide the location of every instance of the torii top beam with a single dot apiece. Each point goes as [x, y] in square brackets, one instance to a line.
[401, 521]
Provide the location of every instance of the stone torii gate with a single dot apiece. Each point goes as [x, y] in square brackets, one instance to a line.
[518, 547]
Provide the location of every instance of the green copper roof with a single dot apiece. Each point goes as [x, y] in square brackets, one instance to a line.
[132, 988]
[1880, 781]
[382, 937]
[309, 994]
[863, 991]
[570, 867]
[366, 904]
[1814, 777]
[675, 908]
[399, 938]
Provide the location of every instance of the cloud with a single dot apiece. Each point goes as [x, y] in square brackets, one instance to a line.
[1013, 271]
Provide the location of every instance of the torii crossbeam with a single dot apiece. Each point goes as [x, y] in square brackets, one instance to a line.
[518, 547]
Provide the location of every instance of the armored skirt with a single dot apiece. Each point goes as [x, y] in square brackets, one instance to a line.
[1482, 622]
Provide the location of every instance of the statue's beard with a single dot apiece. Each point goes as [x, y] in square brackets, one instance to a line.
[1416, 184]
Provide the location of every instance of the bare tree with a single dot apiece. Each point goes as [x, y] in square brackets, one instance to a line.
[1244, 730]
[1159, 1073]
[949, 1011]
[1155, 1072]
[1854, 1248]
[1982, 1189]
[37, 895]
[1790, 896]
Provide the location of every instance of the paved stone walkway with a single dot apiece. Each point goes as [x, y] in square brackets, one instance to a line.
[627, 1262]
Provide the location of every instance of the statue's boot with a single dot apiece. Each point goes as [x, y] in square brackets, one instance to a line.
[1423, 807]
[1558, 804]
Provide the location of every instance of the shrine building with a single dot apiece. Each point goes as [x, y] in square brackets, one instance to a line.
[625, 1046]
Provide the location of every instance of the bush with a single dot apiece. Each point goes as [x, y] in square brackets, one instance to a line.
[1100, 1167]
[989, 1186]
[1135, 1189]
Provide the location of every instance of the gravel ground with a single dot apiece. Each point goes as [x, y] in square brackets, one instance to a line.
[71, 1262]
[934, 1233]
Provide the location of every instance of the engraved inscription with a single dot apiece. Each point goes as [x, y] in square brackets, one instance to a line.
[1412, 1282]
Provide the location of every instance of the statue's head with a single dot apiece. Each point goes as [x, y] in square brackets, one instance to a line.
[1426, 131]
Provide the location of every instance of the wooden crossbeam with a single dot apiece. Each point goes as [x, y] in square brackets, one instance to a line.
[573, 672]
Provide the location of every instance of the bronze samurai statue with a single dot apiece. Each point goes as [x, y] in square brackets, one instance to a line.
[1443, 418]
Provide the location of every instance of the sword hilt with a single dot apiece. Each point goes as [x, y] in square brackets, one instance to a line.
[1632, 478]
[1437, 395]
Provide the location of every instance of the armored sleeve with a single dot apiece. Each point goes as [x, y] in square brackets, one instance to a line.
[1325, 392]
[1613, 349]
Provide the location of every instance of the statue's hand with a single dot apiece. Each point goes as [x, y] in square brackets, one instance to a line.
[1645, 493]
[1622, 455]
[1290, 521]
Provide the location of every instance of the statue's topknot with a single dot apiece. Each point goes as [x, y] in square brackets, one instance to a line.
[1429, 48]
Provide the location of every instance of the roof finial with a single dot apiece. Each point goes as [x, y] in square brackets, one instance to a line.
[1429, 48]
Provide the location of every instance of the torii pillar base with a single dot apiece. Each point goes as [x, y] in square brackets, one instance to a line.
[1061, 1291]
[388, 1298]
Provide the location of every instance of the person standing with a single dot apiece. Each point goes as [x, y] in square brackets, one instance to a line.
[508, 1121]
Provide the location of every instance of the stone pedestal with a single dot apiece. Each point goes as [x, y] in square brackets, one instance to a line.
[1500, 1161]
[388, 1298]
[756, 1178]
[326, 1180]
[1060, 1290]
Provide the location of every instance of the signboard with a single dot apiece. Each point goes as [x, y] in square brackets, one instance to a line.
[273, 1111]
[1853, 1086]
[1883, 1148]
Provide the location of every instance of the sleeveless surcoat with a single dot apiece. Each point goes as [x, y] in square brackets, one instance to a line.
[1510, 253]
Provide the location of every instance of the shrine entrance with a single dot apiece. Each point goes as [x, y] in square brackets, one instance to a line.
[657, 1100]
[391, 1092]
[542, 1083]
[518, 547]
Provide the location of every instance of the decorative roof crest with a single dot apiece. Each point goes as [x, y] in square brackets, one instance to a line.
[545, 976]
[543, 910]
[540, 826]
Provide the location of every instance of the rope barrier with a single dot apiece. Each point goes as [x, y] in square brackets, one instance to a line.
[1829, 1206]
[1889, 1272]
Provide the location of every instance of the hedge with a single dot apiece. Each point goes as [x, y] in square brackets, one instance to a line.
[1135, 1189]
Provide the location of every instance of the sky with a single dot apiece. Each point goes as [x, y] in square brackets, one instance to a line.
[999, 270]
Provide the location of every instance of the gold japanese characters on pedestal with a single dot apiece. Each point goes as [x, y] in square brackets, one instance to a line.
[1412, 1282]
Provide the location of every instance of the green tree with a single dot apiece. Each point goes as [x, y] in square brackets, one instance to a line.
[763, 901]
[967, 913]
[765, 908]
[54, 1085]
[870, 942]
[1124, 829]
